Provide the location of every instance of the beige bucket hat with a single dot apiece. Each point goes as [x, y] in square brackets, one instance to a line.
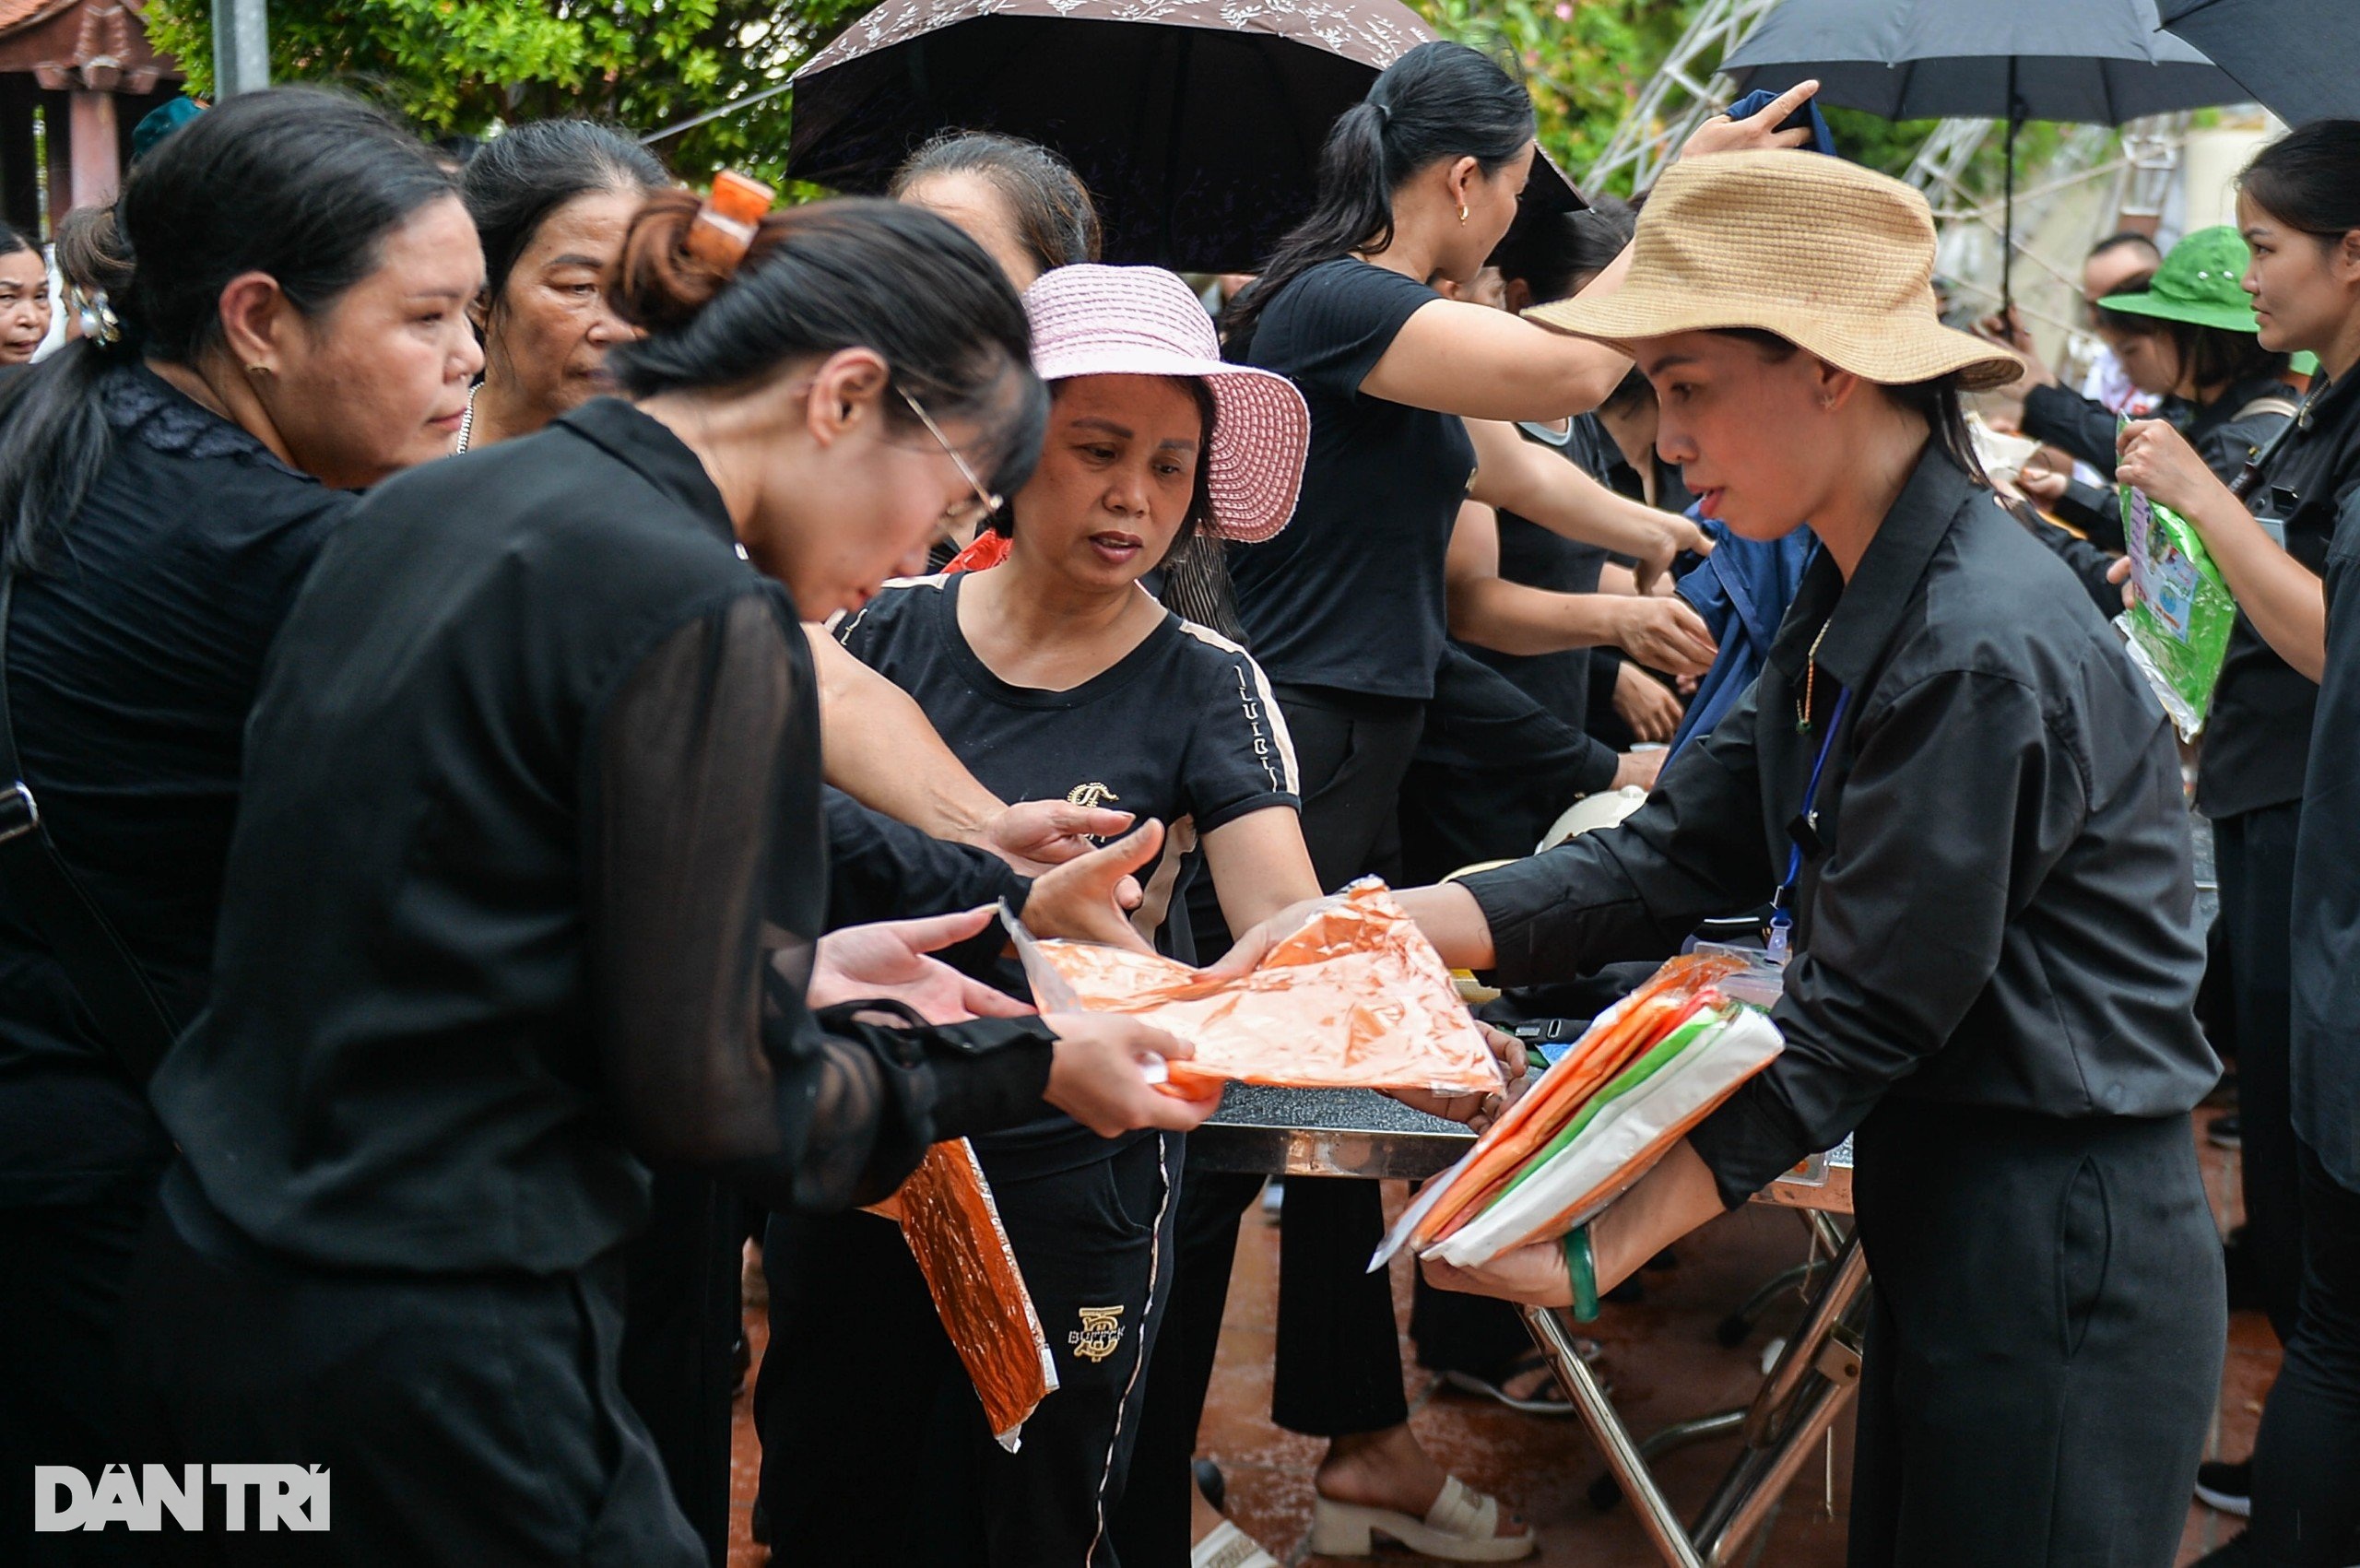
[1825, 254]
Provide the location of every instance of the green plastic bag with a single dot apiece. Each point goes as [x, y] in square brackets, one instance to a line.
[2178, 626]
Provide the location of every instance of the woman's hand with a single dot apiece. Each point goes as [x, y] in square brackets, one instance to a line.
[1086, 898]
[2010, 332]
[2120, 572]
[1477, 1111]
[2045, 486]
[1638, 770]
[1676, 536]
[887, 958]
[2157, 460]
[1653, 714]
[1533, 1275]
[1253, 945]
[1666, 634]
[1721, 134]
[1098, 1076]
[1033, 835]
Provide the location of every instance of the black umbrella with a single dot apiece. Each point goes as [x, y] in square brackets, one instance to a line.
[2101, 61]
[1197, 124]
[2299, 58]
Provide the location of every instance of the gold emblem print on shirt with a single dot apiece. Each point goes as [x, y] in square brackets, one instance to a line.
[1090, 794]
[1101, 1332]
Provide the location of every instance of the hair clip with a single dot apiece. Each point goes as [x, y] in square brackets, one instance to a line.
[723, 229]
[97, 319]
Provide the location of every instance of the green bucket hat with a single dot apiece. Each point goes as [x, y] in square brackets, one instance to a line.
[2199, 284]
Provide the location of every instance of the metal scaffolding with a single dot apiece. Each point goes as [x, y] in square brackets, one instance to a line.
[1684, 93]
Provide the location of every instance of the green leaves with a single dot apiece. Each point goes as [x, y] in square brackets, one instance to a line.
[473, 66]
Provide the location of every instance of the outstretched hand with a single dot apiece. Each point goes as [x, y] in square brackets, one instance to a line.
[1755, 132]
[1033, 835]
[1088, 900]
[1477, 1111]
[887, 958]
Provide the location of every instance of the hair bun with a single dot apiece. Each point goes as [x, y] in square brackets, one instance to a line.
[660, 284]
[92, 254]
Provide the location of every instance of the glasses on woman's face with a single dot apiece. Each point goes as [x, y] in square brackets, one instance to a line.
[967, 515]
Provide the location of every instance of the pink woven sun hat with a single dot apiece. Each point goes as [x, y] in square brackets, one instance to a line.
[1142, 321]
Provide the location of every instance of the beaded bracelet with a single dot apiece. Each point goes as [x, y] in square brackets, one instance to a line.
[1582, 1268]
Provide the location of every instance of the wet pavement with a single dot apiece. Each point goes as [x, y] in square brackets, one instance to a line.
[1663, 1365]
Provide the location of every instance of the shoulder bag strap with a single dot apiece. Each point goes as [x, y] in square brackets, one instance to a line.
[131, 1017]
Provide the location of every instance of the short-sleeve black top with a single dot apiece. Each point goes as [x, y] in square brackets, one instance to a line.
[1351, 596]
[134, 655]
[526, 885]
[1540, 557]
[1182, 728]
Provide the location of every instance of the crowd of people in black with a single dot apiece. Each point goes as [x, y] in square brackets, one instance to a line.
[530, 687]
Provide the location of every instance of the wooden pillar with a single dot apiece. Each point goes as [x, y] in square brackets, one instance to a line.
[55, 109]
[19, 172]
[97, 168]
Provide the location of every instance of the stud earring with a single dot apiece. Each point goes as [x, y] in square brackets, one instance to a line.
[260, 371]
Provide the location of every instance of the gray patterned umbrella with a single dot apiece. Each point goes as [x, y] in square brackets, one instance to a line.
[1197, 124]
[2300, 58]
[2098, 62]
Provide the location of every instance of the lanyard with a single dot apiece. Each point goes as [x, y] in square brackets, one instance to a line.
[1782, 911]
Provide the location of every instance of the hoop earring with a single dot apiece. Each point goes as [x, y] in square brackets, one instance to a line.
[1462, 215]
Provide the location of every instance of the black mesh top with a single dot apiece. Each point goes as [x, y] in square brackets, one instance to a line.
[526, 883]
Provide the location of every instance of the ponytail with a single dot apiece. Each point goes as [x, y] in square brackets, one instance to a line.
[1440, 100]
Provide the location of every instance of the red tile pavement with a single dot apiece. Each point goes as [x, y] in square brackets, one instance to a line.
[1664, 1365]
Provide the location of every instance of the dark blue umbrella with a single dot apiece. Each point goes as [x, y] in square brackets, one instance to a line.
[2100, 62]
[2299, 58]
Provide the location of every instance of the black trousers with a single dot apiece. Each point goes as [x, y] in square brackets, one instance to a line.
[1338, 1358]
[2254, 853]
[2045, 1341]
[474, 1422]
[2307, 1463]
[61, 1273]
[682, 1320]
[863, 1397]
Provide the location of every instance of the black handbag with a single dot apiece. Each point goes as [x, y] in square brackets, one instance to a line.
[131, 1016]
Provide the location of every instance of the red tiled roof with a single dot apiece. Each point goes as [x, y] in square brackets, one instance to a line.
[15, 14]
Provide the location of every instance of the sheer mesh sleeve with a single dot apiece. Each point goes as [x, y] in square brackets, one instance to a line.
[705, 886]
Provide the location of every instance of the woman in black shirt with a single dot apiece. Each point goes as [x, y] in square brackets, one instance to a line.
[1057, 675]
[525, 889]
[2290, 560]
[1347, 609]
[163, 494]
[1988, 892]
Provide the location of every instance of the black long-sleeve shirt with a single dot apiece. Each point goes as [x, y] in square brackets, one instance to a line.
[2313, 481]
[133, 655]
[2002, 912]
[526, 884]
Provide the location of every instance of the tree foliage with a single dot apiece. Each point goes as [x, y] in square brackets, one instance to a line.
[472, 66]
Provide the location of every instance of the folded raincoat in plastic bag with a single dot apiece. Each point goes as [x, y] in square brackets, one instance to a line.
[952, 1226]
[2178, 625]
[1650, 1068]
[1354, 998]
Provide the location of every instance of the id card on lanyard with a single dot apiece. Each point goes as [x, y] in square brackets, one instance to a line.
[1804, 828]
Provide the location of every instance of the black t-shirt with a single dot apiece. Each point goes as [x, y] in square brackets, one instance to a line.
[134, 657]
[1538, 558]
[1181, 728]
[1351, 596]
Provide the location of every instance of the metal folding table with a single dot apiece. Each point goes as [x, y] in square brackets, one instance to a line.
[1355, 1133]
